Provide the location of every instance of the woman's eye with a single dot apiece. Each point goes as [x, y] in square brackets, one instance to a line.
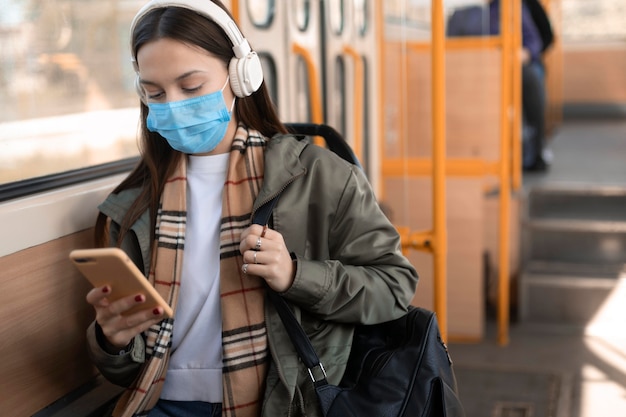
[192, 89]
[154, 96]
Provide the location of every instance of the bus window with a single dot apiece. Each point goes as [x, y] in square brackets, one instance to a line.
[336, 14]
[361, 17]
[261, 12]
[302, 14]
[66, 86]
[338, 105]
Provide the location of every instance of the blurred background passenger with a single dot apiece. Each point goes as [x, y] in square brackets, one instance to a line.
[537, 36]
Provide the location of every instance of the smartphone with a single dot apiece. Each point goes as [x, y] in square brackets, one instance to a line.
[112, 267]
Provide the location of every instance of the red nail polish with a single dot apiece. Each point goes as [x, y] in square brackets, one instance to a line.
[156, 312]
[105, 290]
[139, 298]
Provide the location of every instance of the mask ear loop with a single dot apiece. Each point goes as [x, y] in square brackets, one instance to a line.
[232, 106]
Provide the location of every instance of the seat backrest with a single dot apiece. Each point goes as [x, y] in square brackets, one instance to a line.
[334, 141]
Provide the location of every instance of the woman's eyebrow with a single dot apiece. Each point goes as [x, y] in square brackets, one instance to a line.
[188, 74]
[179, 78]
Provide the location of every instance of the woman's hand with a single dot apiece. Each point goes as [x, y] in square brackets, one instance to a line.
[266, 255]
[120, 330]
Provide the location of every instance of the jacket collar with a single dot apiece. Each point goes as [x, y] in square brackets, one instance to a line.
[282, 165]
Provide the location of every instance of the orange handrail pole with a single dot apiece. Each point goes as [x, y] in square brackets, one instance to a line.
[314, 88]
[359, 104]
[455, 167]
[234, 10]
[516, 137]
[505, 169]
[439, 162]
[380, 90]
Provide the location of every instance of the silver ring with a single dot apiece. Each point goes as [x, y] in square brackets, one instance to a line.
[244, 268]
[258, 244]
[255, 257]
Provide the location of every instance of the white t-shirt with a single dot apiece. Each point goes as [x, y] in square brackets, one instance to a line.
[195, 368]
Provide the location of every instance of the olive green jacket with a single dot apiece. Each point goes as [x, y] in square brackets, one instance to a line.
[350, 268]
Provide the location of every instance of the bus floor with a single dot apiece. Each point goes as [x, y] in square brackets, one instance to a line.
[557, 369]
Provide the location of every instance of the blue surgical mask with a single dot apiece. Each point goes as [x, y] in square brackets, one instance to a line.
[195, 125]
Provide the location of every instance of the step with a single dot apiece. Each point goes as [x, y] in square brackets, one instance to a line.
[581, 270]
[562, 299]
[575, 241]
[603, 203]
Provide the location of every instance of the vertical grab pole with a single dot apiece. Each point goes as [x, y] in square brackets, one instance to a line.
[505, 169]
[516, 137]
[438, 58]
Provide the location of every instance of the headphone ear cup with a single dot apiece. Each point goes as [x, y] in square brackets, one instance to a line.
[246, 74]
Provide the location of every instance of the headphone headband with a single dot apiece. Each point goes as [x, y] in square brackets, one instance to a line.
[208, 9]
[246, 73]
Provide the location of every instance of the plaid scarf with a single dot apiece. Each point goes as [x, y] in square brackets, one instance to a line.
[244, 337]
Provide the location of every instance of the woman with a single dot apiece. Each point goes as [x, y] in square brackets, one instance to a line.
[213, 150]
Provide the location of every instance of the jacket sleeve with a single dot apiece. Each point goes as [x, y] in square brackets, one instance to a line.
[542, 21]
[120, 368]
[365, 279]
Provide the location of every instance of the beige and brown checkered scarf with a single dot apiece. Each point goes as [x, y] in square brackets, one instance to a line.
[244, 338]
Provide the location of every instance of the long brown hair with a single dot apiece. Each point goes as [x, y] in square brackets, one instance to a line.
[158, 159]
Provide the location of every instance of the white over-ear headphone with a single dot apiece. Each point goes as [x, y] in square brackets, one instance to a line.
[245, 70]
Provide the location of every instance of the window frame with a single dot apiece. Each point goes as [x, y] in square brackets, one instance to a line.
[36, 185]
